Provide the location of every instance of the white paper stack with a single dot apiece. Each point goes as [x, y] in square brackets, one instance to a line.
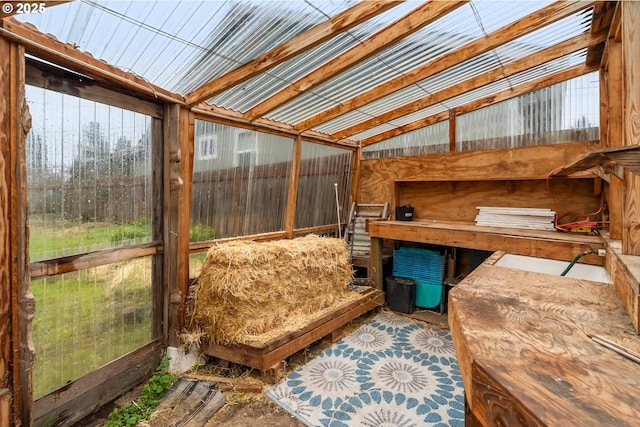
[524, 218]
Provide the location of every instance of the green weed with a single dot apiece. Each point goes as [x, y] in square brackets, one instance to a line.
[141, 409]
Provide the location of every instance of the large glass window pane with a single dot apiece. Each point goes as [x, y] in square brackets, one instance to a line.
[89, 175]
[240, 181]
[87, 318]
[321, 168]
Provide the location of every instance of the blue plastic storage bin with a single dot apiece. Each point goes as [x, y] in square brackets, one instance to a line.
[426, 267]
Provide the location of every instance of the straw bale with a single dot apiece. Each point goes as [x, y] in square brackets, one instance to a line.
[251, 291]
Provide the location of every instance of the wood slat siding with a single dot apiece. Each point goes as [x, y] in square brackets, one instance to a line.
[327, 30]
[213, 192]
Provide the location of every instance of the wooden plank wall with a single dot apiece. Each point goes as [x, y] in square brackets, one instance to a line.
[378, 176]
[458, 200]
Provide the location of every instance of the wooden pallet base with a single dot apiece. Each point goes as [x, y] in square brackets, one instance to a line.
[267, 357]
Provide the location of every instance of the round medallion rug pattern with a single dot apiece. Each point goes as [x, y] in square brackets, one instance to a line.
[392, 371]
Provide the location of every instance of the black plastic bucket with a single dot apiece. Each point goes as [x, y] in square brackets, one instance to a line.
[401, 294]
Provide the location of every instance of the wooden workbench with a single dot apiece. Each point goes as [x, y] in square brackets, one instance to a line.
[523, 346]
[543, 244]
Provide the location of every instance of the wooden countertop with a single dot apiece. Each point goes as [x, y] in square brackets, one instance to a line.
[523, 345]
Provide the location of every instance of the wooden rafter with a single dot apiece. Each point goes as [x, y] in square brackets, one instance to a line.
[340, 23]
[548, 80]
[556, 51]
[403, 27]
[603, 12]
[528, 24]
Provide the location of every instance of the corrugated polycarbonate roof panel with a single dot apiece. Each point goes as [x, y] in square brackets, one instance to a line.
[517, 49]
[497, 86]
[180, 45]
[451, 31]
[257, 89]
[533, 73]
[420, 114]
[424, 45]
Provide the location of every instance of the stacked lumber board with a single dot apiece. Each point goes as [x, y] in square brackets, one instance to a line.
[523, 218]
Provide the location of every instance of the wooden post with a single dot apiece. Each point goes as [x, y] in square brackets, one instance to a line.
[16, 299]
[292, 197]
[356, 158]
[178, 165]
[614, 132]
[376, 262]
[452, 131]
[631, 122]
[157, 278]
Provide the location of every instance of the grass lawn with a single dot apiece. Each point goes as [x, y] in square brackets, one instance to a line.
[87, 318]
[90, 317]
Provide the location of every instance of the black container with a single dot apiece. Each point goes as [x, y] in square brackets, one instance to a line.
[401, 294]
[404, 213]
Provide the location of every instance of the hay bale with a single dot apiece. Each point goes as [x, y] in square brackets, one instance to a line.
[251, 291]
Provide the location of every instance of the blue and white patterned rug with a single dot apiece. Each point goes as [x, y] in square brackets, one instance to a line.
[392, 371]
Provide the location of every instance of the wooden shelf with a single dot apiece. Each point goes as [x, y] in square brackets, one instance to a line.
[610, 160]
[543, 244]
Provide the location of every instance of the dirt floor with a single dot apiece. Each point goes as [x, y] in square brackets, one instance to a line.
[257, 411]
[246, 405]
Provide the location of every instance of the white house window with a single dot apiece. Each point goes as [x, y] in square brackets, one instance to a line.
[208, 147]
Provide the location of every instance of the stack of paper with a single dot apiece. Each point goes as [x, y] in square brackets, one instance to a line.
[525, 218]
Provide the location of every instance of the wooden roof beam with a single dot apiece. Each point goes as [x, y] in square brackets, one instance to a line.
[340, 23]
[551, 79]
[571, 45]
[403, 27]
[603, 12]
[534, 21]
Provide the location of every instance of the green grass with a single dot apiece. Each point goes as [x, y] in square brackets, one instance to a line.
[88, 318]
[59, 238]
[201, 233]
